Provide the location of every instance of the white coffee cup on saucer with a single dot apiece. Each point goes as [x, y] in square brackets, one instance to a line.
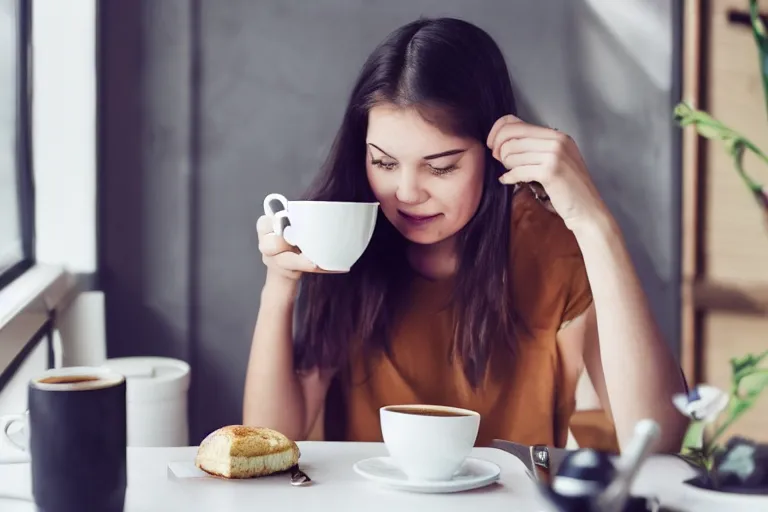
[331, 234]
[429, 442]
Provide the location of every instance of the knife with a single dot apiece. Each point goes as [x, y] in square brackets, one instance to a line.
[542, 462]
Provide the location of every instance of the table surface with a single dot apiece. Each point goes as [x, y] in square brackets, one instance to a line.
[336, 487]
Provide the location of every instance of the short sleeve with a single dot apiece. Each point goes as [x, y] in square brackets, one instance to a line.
[579, 296]
[549, 279]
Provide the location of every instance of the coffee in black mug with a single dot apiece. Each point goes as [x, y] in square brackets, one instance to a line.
[77, 429]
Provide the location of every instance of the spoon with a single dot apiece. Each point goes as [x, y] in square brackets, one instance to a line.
[615, 495]
[298, 477]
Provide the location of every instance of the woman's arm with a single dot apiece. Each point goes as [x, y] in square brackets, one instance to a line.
[632, 369]
[275, 395]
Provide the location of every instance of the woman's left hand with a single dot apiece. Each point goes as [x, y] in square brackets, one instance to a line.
[534, 153]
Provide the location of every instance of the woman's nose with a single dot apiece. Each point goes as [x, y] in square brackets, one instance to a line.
[409, 190]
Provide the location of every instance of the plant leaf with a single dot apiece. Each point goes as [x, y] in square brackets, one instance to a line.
[739, 406]
[749, 361]
[753, 384]
[694, 438]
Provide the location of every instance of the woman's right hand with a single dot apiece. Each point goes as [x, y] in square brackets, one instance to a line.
[281, 258]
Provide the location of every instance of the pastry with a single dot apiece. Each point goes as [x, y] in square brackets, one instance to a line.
[238, 451]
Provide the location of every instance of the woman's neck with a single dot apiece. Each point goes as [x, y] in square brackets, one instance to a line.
[436, 261]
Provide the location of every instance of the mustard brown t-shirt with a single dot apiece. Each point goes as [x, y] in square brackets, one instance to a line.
[523, 396]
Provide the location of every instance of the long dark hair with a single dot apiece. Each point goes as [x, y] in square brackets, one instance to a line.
[455, 75]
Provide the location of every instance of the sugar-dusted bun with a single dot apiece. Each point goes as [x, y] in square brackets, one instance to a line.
[237, 451]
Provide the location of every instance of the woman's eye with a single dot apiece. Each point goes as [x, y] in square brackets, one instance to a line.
[384, 165]
[440, 171]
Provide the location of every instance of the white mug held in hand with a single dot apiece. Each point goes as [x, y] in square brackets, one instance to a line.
[14, 446]
[331, 234]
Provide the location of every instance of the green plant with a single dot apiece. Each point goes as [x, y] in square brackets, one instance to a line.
[707, 405]
[739, 463]
[712, 411]
[735, 143]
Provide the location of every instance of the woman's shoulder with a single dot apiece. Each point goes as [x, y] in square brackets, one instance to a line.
[537, 232]
[548, 278]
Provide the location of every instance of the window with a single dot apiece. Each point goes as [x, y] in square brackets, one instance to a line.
[16, 199]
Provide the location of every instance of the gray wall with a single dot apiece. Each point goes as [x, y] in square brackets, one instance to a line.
[208, 105]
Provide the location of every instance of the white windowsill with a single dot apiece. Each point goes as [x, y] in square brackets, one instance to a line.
[64, 139]
[25, 305]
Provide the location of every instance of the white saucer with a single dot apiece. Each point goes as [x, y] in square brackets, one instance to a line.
[473, 474]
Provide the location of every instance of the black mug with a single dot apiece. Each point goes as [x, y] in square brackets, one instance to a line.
[77, 442]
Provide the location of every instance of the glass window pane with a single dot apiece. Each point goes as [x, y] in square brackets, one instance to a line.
[11, 244]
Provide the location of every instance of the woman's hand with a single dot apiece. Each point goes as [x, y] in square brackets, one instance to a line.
[282, 259]
[534, 153]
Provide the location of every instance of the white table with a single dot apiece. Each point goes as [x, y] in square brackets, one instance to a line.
[336, 487]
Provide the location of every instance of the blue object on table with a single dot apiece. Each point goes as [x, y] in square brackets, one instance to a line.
[583, 475]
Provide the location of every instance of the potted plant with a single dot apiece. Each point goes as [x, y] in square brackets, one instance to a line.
[739, 465]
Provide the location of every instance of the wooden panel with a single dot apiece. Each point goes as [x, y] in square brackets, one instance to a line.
[748, 299]
[691, 92]
[736, 240]
[730, 285]
[733, 335]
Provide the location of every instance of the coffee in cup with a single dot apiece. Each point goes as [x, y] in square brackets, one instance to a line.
[331, 234]
[67, 379]
[429, 442]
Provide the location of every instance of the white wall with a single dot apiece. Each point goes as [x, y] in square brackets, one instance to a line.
[64, 132]
[13, 397]
[64, 161]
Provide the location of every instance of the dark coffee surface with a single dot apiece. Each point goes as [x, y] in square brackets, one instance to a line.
[69, 379]
[427, 411]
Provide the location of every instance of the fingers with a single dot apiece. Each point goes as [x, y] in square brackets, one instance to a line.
[512, 160]
[272, 244]
[513, 124]
[537, 138]
[500, 122]
[264, 226]
[525, 131]
[529, 144]
[524, 174]
[294, 261]
[297, 262]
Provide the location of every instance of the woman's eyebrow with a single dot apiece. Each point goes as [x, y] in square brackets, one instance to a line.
[444, 153]
[428, 157]
[385, 153]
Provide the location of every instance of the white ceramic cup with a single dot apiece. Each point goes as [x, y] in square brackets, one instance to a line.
[428, 447]
[331, 234]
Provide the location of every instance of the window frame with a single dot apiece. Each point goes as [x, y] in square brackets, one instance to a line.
[24, 172]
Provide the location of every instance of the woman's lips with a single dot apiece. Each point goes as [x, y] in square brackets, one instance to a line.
[417, 220]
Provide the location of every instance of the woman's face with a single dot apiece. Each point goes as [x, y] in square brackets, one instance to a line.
[429, 183]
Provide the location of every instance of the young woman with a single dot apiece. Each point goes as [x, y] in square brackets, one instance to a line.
[494, 277]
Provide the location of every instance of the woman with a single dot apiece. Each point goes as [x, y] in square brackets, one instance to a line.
[474, 291]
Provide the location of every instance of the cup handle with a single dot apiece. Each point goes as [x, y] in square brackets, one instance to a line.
[19, 452]
[281, 224]
[274, 203]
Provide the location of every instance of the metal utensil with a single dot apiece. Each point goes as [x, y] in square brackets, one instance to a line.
[540, 460]
[298, 477]
[613, 498]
